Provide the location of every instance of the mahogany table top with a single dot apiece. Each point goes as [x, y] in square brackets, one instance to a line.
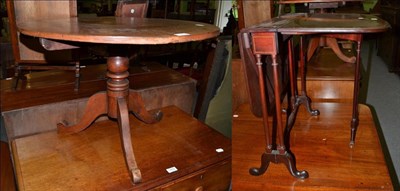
[300, 23]
[118, 30]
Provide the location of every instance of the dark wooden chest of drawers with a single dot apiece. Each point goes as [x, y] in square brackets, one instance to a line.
[389, 42]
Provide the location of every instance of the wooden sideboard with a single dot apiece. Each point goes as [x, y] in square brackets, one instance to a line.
[389, 42]
[184, 155]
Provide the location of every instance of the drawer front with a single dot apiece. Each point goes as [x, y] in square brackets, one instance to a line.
[214, 178]
[265, 43]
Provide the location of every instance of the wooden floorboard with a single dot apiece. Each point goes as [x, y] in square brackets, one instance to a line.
[320, 145]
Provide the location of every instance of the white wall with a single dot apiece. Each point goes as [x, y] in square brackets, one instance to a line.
[222, 13]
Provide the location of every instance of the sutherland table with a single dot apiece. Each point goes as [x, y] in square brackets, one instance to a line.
[266, 39]
[118, 100]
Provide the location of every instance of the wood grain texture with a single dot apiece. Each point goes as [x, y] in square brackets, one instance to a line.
[255, 12]
[7, 180]
[305, 23]
[328, 78]
[120, 30]
[321, 146]
[56, 86]
[240, 93]
[93, 160]
[28, 49]
[330, 90]
[48, 97]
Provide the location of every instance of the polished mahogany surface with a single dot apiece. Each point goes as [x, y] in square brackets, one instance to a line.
[119, 30]
[118, 101]
[93, 159]
[321, 147]
[263, 39]
[300, 23]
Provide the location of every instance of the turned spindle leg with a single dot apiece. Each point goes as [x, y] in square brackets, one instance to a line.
[281, 153]
[355, 120]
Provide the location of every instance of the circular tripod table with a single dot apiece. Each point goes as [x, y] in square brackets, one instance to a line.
[118, 100]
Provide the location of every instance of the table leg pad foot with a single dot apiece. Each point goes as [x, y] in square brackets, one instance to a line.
[136, 176]
[136, 105]
[304, 99]
[264, 166]
[62, 126]
[276, 157]
[289, 161]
